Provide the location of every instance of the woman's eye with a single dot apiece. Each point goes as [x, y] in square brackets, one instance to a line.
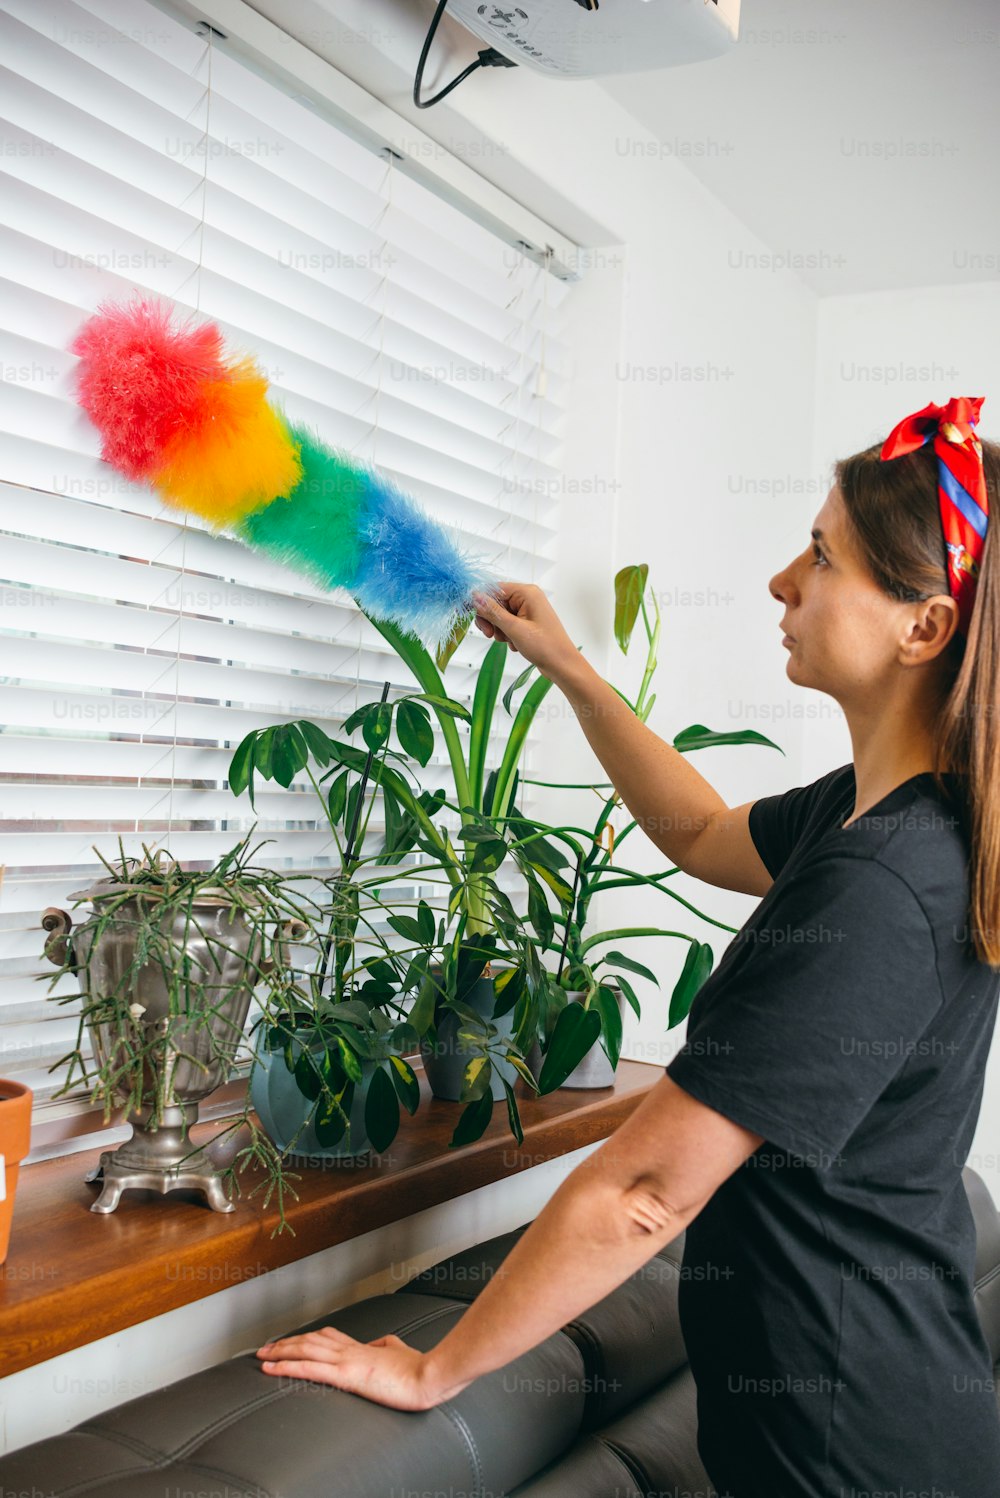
[819, 557]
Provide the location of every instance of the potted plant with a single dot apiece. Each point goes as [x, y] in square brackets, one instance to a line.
[168, 960]
[329, 1070]
[15, 1137]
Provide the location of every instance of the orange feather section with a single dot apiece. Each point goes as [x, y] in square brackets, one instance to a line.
[234, 454]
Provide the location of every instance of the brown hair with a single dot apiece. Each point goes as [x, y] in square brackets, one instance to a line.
[893, 509]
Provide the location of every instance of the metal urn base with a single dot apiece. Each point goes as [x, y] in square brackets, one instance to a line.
[159, 1160]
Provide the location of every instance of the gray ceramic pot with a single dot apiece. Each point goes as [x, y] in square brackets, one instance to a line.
[595, 1070]
[445, 1062]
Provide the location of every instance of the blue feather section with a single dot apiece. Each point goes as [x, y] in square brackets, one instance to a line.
[411, 571]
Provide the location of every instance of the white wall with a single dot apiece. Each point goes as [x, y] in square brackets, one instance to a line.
[879, 357]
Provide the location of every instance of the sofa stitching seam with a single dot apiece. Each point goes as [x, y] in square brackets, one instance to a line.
[633, 1466]
[160, 1465]
[473, 1451]
[271, 1396]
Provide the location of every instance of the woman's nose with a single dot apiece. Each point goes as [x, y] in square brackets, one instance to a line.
[782, 585]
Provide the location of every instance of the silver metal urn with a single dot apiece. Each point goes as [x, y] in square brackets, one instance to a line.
[166, 997]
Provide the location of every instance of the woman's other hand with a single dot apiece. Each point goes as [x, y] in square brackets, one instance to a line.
[385, 1371]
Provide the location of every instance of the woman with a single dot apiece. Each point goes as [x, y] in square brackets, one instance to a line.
[810, 1134]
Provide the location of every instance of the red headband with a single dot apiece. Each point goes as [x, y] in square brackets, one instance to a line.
[962, 499]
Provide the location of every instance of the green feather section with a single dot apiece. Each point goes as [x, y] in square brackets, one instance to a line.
[316, 527]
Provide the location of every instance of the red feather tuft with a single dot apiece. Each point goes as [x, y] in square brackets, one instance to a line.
[140, 380]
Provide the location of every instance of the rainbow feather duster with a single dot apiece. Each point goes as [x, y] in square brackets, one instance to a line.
[176, 412]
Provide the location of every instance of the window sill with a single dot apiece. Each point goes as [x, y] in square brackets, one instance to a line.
[73, 1275]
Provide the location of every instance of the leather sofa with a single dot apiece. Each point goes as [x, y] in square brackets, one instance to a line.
[605, 1408]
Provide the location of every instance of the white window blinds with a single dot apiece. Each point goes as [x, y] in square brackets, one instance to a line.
[139, 649]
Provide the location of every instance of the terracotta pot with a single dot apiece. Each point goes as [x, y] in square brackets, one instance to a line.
[15, 1139]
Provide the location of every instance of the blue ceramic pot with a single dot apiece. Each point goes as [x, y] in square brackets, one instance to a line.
[287, 1115]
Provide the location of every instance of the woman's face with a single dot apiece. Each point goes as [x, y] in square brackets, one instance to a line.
[844, 632]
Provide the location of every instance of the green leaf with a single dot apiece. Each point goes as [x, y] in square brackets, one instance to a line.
[488, 856]
[337, 797]
[539, 913]
[575, 1032]
[404, 1036]
[413, 728]
[307, 1077]
[630, 585]
[405, 1082]
[611, 1022]
[425, 923]
[697, 966]
[618, 959]
[406, 926]
[318, 742]
[444, 705]
[508, 988]
[629, 993]
[515, 686]
[264, 752]
[559, 887]
[522, 1069]
[351, 813]
[375, 729]
[700, 737]
[421, 1015]
[475, 1078]
[285, 760]
[483, 704]
[241, 766]
[453, 641]
[513, 1117]
[349, 1061]
[473, 1122]
[381, 1111]
[332, 1117]
[475, 832]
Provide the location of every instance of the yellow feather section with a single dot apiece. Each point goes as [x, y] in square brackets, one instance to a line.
[234, 456]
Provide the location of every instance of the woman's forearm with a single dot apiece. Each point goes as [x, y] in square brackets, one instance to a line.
[668, 798]
[588, 1239]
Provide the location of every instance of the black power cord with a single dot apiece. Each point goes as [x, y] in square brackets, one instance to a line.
[489, 57]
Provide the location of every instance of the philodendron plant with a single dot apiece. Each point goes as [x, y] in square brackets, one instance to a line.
[567, 1031]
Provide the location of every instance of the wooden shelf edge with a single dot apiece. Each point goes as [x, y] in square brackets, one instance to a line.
[73, 1276]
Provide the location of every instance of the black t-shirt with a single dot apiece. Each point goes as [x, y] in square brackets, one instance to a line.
[826, 1297]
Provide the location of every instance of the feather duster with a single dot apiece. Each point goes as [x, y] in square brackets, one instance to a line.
[174, 410]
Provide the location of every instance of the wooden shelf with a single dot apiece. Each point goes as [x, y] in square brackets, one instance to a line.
[73, 1275]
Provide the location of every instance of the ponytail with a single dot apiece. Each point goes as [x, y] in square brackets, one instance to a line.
[893, 509]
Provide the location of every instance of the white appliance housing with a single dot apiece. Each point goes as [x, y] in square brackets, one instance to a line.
[570, 39]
